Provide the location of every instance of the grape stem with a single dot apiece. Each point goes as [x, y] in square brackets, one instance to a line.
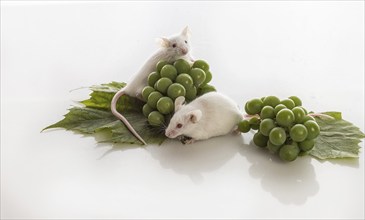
[320, 115]
[246, 116]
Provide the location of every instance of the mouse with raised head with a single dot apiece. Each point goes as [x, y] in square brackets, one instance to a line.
[212, 114]
[172, 48]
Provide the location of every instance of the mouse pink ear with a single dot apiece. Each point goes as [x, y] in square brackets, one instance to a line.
[179, 101]
[164, 42]
[195, 116]
[186, 31]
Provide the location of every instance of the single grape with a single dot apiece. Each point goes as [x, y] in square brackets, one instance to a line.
[278, 108]
[254, 106]
[248, 111]
[208, 77]
[160, 64]
[267, 112]
[205, 89]
[298, 133]
[155, 118]
[306, 145]
[307, 118]
[277, 136]
[185, 80]
[285, 117]
[169, 71]
[152, 78]
[305, 110]
[182, 66]
[260, 140]
[298, 114]
[175, 90]
[146, 110]
[289, 152]
[153, 98]
[198, 76]
[244, 126]
[296, 100]
[266, 126]
[255, 127]
[201, 64]
[313, 129]
[288, 103]
[272, 147]
[162, 84]
[191, 93]
[273, 101]
[146, 92]
[165, 105]
[254, 121]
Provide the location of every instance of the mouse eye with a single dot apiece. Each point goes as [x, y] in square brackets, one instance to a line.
[186, 41]
[179, 125]
[174, 45]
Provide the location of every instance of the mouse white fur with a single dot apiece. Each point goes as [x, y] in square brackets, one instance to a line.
[212, 114]
[171, 49]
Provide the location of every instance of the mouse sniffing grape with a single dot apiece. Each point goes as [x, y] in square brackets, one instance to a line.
[284, 126]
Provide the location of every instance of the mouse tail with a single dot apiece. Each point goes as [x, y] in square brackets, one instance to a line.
[113, 108]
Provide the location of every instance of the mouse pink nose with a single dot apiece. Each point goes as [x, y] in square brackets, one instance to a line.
[184, 50]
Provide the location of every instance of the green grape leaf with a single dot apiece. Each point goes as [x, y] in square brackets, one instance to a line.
[338, 138]
[95, 117]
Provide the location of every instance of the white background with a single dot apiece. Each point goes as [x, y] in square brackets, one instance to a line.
[314, 50]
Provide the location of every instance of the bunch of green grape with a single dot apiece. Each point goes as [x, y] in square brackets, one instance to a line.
[283, 126]
[171, 80]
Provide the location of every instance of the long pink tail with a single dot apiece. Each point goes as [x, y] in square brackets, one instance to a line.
[121, 117]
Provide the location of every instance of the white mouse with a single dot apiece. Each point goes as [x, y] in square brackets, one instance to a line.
[212, 114]
[172, 48]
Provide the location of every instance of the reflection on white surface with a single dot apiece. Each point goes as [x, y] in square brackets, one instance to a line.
[314, 50]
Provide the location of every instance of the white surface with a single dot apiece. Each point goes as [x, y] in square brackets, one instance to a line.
[314, 50]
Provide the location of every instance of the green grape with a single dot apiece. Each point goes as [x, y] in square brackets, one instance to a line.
[254, 106]
[146, 110]
[175, 90]
[288, 103]
[277, 136]
[247, 110]
[272, 147]
[254, 121]
[205, 89]
[305, 110]
[255, 126]
[298, 114]
[155, 118]
[273, 101]
[307, 118]
[152, 78]
[185, 80]
[298, 133]
[162, 84]
[285, 117]
[313, 129]
[169, 71]
[244, 126]
[182, 66]
[160, 64]
[165, 105]
[153, 99]
[278, 108]
[201, 64]
[296, 100]
[198, 76]
[208, 77]
[191, 93]
[289, 152]
[267, 112]
[146, 92]
[306, 145]
[266, 126]
[260, 140]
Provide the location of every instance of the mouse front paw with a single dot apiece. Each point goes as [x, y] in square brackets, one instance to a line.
[186, 140]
